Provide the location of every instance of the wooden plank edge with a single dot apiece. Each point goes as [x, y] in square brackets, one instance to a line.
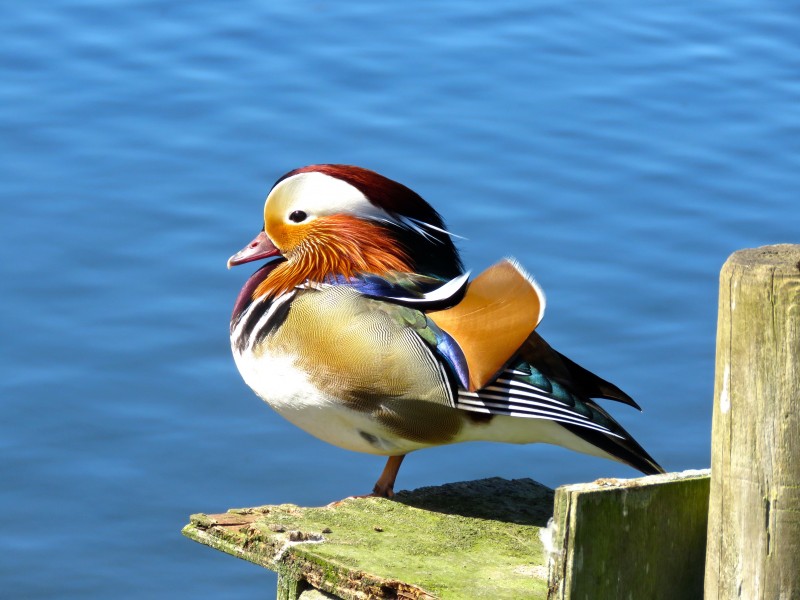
[559, 538]
[294, 564]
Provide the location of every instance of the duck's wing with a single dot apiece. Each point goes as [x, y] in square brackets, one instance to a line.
[540, 383]
[478, 325]
[506, 368]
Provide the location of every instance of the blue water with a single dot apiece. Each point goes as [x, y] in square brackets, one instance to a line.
[621, 151]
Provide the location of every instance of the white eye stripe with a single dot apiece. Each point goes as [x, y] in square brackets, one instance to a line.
[318, 195]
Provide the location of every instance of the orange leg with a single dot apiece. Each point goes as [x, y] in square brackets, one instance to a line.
[384, 487]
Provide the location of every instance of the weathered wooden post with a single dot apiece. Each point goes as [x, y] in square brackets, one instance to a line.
[754, 509]
[630, 538]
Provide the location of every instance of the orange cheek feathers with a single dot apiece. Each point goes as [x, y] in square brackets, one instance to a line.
[330, 246]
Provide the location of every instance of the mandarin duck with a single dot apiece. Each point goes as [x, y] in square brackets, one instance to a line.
[365, 331]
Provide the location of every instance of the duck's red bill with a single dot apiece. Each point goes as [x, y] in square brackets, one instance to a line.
[260, 247]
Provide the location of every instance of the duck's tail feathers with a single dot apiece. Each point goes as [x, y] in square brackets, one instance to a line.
[621, 446]
[559, 368]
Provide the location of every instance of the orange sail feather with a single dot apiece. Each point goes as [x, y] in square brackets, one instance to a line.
[499, 311]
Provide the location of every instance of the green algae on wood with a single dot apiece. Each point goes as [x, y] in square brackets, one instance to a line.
[465, 540]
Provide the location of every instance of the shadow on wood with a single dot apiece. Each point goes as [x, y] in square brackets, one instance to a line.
[520, 501]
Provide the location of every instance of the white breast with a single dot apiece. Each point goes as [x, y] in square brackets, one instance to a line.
[289, 391]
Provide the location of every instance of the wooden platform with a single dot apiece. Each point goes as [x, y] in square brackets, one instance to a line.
[473, 539]
[479, 539]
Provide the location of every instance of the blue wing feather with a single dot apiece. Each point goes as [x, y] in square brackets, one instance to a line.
[451, 353]
[422, 292]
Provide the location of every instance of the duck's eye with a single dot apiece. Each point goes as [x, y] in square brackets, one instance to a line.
[298, 216]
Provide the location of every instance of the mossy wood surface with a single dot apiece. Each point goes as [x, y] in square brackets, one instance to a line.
[754, 512]
[631, 538]
[477, 539]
